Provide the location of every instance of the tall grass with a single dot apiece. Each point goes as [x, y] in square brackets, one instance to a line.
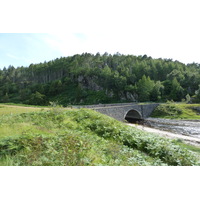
[177, 111]
[83, 137]
[10, 110]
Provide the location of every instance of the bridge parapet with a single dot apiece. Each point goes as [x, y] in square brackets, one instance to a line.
[106, 105]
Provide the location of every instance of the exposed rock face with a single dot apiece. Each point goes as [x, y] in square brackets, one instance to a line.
[197, 109]
[93, 86]
[122, 96]
[130, 96]
[80, 79]
[89, 83]
[109, 93]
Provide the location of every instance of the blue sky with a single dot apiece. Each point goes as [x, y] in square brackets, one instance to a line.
[19, 49]
[160, 29]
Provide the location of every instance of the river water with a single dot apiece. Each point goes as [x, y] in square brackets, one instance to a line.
[187, 130]
[183, 127]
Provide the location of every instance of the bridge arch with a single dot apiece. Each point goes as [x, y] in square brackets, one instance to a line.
[133, 115]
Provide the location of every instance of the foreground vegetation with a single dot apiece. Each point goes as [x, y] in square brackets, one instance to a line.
[83, 137]
[172, 110]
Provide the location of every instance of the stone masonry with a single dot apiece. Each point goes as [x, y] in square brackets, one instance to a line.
[120, 111]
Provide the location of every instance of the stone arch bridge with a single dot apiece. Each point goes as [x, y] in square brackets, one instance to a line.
[122, 111]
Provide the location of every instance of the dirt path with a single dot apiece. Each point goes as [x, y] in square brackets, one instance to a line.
[187, 139]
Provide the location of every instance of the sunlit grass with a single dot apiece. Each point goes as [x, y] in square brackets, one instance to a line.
[7, 130]
[11, 128]
[22, 105]
[187, 111]
[81, 137]
[4, 110]
[17, 109]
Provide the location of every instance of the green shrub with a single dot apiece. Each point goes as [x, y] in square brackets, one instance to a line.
[166, 110]
[33, 149]
[85, 137]
[154, 146]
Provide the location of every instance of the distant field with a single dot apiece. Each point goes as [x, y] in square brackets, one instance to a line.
[6, 109]
[177, 111]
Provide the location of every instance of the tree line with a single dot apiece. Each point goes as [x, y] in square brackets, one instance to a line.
[106, 78]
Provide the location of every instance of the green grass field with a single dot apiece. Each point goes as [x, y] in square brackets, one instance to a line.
[177, 111]
[6, 109]
[81, 137]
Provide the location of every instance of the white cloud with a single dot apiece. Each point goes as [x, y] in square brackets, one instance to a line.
[13, 56]
[19, 59]
[156, 44]
[167, 28]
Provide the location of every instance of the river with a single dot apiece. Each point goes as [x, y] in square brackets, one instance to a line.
[187, 130]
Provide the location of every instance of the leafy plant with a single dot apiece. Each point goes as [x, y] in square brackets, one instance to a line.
[84, 137]
[167, 110]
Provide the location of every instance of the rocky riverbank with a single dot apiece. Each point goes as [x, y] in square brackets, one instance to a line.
[187, 130]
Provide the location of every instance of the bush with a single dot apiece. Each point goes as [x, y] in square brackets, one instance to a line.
[154, 146]
[38, 99]
[37, 149]
[85, 137]
[166, 110]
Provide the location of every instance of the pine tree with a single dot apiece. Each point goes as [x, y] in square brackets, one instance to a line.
[177, 91]
[144, 88]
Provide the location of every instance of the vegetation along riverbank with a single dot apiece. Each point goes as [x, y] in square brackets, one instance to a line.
[172, 110]
[83, 137]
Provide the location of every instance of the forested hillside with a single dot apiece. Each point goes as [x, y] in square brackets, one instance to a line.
[90, 79]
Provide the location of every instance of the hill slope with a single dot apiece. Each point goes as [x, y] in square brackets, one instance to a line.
[89, 79]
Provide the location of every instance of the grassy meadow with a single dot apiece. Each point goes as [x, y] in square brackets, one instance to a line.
[177, 111]
[81, 137]
[13, 109]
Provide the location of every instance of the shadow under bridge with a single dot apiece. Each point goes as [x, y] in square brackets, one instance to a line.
[133, 116]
